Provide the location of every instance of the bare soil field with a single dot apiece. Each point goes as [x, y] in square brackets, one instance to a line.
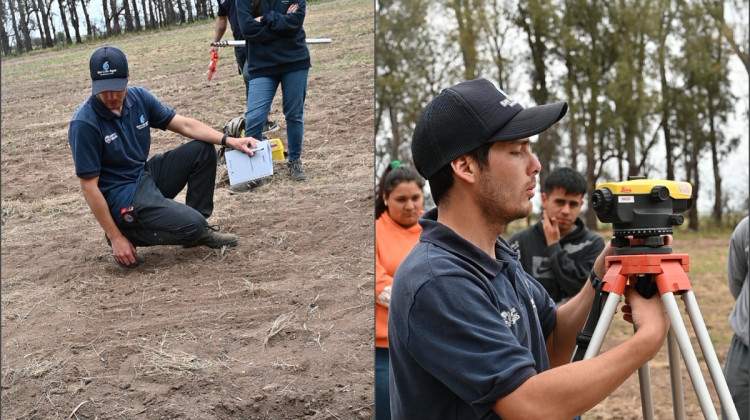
[280, 327]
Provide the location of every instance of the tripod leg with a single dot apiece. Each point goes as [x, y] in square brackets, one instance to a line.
[691, 361]
[714, 368]
[597, 338]
[647, 398]
[675, 376]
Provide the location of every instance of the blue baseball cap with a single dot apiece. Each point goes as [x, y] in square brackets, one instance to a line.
[109, 70]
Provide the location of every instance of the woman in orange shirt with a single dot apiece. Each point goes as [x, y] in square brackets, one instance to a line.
[398, 205]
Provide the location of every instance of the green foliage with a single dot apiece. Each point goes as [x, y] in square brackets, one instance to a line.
[646, 81]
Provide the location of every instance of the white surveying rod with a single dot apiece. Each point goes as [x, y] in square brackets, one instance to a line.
[240, 43]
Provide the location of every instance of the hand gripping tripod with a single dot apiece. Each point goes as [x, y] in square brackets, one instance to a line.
[663, 272]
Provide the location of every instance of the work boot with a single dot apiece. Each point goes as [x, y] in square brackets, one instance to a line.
[296, 170]
[213, 239]
[245, 186]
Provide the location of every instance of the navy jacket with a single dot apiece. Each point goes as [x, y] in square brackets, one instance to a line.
[275, 45]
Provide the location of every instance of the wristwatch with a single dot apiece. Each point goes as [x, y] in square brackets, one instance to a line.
[224, 140]
[595, 280]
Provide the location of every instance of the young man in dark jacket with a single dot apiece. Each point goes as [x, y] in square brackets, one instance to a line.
[559, 250]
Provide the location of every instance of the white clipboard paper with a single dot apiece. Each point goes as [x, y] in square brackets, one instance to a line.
[242, 168]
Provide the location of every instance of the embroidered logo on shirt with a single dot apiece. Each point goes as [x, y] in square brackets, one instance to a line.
[516, 247]
[143, 124]
[511, 317]
[110, 137]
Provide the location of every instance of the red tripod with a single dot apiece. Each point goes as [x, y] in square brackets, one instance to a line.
[668, 274]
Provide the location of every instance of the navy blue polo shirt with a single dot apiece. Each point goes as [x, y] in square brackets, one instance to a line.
[464, 329]
[115, 148]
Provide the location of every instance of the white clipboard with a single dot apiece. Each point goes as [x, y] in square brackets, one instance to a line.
[242, 168]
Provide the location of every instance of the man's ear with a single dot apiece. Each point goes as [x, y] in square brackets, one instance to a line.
[465, 168]
[544, 200]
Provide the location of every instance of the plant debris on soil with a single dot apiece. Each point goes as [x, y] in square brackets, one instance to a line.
[279, 327]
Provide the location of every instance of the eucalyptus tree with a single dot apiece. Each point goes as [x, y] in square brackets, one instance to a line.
[497, 24]
[705, 103]
[74, 19]
[4, 36]
[43, 22]
[17, 34]
[587, 51]
[406, 73]
[64, 18]
[666, 34]
[632, 101]
[540, 22]
[466, 14]
[24, 24]
[737, 34]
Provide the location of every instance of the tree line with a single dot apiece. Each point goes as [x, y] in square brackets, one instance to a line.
[647, 82]
[31, 24]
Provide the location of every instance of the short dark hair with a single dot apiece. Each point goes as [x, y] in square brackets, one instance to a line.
[394, 174]
[566, 178]
[442, 181]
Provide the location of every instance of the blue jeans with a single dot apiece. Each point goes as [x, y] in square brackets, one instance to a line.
[159, 219]
[293, 91]
[240, 54]
[382, 396]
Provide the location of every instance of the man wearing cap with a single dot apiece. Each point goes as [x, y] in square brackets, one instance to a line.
[471, 335]
[131, 197]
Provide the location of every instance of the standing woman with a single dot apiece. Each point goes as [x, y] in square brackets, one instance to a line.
[398, 205]
[276, 54]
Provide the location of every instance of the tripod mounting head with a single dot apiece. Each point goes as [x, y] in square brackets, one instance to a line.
[642, 209]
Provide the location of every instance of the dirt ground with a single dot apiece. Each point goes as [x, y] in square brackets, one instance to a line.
[280, 327]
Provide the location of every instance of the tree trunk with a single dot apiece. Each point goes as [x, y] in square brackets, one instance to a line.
[137, 16]
[396, 136]
[467, 37]
[189, 8]
[43, 24]
[68, 39]
[115, 13]
[107, 18]
[5, 41]
[718, 209]
[181, 8]
[23, 22]
[148, 14]
[74, 20]
[12, 7]
[89, 28]
[693, 220]
[129, 27]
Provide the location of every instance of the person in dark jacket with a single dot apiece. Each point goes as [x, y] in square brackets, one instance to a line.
[559, 251]
[227, 13]
[277, 54]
